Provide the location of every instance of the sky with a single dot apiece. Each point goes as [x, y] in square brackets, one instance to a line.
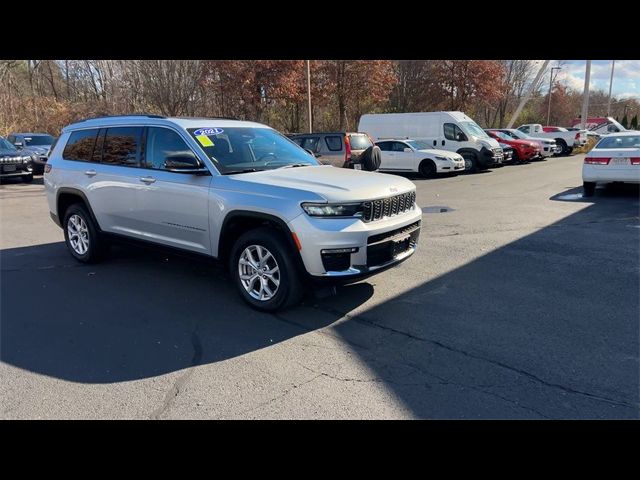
[626, 76]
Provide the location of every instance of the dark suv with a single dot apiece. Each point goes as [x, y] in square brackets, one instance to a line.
[341, 149]
[38, 145]
[14, 163]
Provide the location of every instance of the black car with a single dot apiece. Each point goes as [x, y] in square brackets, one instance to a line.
[507, 152]
[37, 144]
[15, 163]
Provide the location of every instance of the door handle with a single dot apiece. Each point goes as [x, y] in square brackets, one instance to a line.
[90, 173]
[435, 143]
[443, 143]
[147, 180]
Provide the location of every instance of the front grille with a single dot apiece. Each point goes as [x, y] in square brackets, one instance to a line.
[497, 152]
[392, 233]
[11, 160]
[387, 207]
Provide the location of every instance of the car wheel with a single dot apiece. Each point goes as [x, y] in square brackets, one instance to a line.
[427, 168]
[470, 162]
[563, 146]
[515, 158]
[81, 234]
[588, 189]
[27, 178]
[264, 271]
[569, 151]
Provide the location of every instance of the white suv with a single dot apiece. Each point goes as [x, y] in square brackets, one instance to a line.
[233, 190]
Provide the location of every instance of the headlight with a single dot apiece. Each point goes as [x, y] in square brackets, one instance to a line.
[444, 159]
[26, 159]
[333, 210]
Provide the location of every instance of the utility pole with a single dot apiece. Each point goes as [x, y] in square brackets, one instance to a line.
[613, 64]
[525, 99]
[309, 95]
[550, 88]
[585, 97]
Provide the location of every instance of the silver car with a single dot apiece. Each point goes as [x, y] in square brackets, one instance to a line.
[233, 190]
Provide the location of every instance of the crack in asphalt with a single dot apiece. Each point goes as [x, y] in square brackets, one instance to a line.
[181, 381]
[364, 321]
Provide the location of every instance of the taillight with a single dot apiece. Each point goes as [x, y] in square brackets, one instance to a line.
[47, 168]
[577, 136]
[635, 160]
[347, 149]
[597, 160]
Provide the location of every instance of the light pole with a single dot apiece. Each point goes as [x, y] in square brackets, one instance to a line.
[613, 64]
[309, 95]
[550, 88]
[585, 96]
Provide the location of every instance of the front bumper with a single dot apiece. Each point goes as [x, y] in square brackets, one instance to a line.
[447, 166]
[374, 245]
[15, 170]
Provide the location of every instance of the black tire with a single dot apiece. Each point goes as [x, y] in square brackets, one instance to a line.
[427, 168]
[563, 145]
[470, 162]
[27, 178]
[290, 289]
[96, 244]
[588, 189]
[569, 150]
[515, 159]
[371, 158]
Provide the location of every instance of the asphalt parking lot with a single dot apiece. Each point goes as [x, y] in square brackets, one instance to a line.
[522, 302]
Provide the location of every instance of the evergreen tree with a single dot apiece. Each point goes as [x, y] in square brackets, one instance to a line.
[625, 121]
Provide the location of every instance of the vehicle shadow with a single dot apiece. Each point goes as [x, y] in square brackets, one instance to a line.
[138, 314]
[544, 327]
[37, 180]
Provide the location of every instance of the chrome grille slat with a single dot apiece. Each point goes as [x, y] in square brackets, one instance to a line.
[390, 206]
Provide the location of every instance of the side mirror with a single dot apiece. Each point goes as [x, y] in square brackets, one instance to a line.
[461, 137]
[18, 144]
[184, 164]
[316, 155]
[408, 150]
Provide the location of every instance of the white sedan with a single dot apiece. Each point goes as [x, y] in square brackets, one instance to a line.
[416, 156]
[615, 158]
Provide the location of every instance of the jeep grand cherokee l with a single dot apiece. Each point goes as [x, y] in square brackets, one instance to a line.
[234, 190]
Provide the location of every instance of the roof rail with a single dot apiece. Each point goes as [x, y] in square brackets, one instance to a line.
[149, 115]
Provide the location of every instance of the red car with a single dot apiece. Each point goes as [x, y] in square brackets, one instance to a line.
[523, 150]
[554, 129]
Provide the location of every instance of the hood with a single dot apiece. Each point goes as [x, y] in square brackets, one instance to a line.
[490, 143]
[332, 184]
[441, 153]
[40, 149]
[546, 141]
[12, 153]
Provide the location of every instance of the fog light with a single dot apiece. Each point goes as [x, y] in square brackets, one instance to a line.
[340, 250]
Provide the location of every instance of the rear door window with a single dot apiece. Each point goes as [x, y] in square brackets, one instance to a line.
[334, 142]
[122, 146]
[310, 143]
[80, 145]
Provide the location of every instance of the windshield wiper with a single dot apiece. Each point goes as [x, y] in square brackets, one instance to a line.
[294, 165]
[244, 170]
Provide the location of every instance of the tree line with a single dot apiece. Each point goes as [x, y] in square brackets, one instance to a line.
[45, 95]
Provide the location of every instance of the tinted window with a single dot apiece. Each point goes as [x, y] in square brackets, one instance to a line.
[619, 142]
[399, 147]
[161, 144]
[449, 131]
[334, 143]
[122, 146]
[80, 145]
[39, 140]
[359, 142]
[524, 129]
[384, 146]
[309, 142]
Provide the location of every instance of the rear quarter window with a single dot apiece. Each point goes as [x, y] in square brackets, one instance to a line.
[334, 143]
[80, 145]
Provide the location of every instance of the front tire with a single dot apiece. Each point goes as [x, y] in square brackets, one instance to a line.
[264, 270]
[427, 168]
[81, 235]
[470, 162]
[563, 146]
[588, 189]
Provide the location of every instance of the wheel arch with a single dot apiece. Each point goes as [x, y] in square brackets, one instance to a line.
[67, 196]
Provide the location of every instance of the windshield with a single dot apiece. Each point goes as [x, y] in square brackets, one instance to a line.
[241, 149]
[517, 134]
[612, 141]
[502, 135]
[418, 144]
[39, 140]
[472, 128]
[6, 145]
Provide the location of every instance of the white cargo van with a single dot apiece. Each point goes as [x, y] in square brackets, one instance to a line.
[453, 131]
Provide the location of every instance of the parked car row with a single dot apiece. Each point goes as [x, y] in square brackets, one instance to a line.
[32, 148]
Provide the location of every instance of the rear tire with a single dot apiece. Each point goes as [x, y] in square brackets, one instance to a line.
[588, 189]
[81, 235]
[427, 168]
[271, 283]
